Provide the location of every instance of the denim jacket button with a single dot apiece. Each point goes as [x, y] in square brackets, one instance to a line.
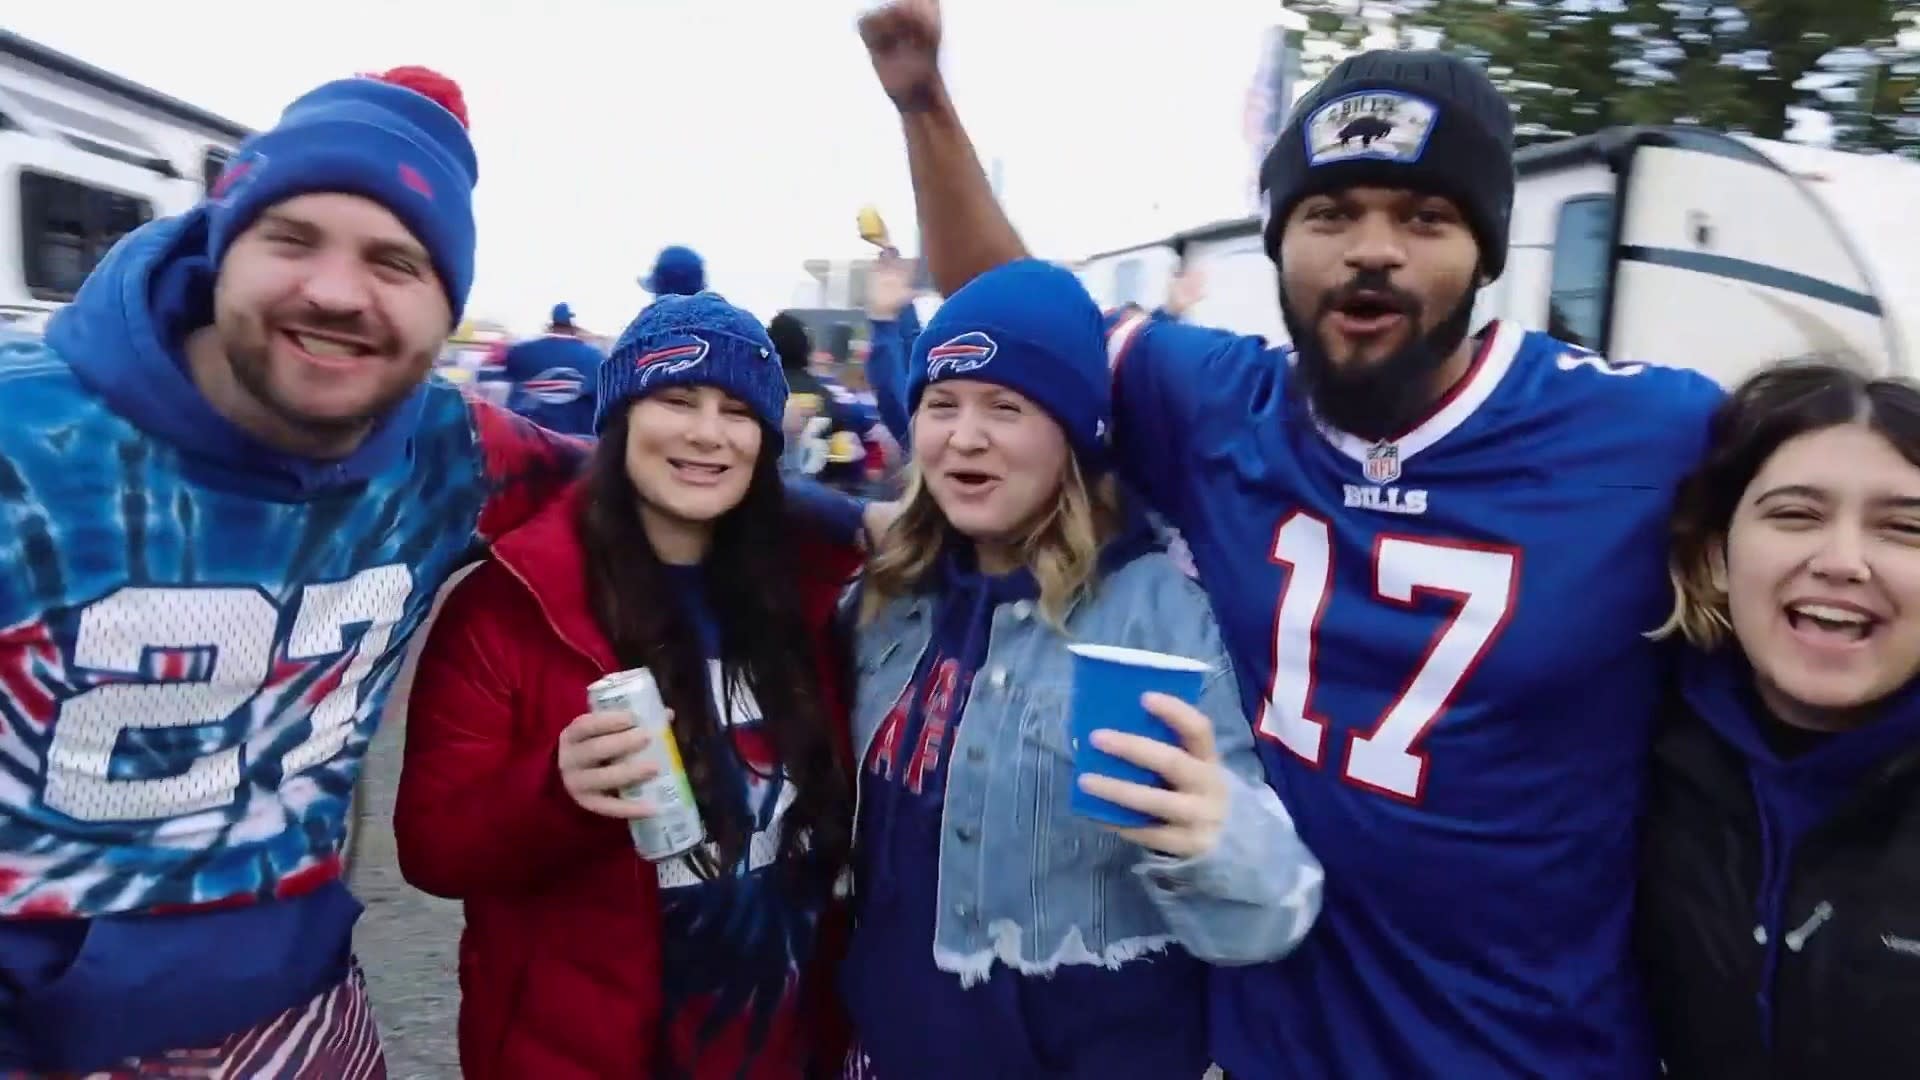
[963, 911]
[1023, 610]
[976, 754]
[966, 833]
[997, 678]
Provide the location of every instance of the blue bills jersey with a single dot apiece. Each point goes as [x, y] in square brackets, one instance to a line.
[1440, 640]
[190, 674]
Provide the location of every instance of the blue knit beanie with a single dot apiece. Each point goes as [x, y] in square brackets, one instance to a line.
[1031, 327]
[362, 136]
[677, 271]
[698, 340]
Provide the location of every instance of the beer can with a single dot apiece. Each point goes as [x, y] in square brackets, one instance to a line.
[675, 827]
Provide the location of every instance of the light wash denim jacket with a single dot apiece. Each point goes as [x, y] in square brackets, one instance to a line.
[1023, 879]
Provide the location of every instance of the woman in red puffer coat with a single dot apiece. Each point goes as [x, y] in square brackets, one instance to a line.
[674, 553]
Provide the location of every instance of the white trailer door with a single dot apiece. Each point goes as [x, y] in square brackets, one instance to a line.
[1724, 262]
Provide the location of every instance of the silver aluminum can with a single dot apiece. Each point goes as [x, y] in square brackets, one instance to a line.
[675, 827]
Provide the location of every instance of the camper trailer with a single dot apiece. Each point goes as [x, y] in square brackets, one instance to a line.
[1679, 245]
[85, 157]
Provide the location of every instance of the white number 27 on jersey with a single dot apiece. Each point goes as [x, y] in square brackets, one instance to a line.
[1386, 759]
[234, 627]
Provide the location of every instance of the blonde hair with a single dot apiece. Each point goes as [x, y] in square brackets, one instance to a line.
[1062, 548]
[1700, 616]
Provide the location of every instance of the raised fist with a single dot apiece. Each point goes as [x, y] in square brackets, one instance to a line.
[903, 40]
[889, 287]
[1189, 287]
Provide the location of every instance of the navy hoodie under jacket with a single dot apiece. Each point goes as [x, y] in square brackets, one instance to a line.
[1794, 795]
[914, 1020]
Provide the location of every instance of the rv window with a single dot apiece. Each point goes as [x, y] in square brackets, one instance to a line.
[66, 228]
[212, 166]
[1582, 254]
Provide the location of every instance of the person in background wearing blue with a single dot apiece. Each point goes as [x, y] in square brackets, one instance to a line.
[893, 327]
[677, 271]
[554, 375]
[829, 433]
[1780, 889]
[999, 933]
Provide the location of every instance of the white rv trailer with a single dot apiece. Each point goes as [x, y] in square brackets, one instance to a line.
[86, 156]
[1674, 244]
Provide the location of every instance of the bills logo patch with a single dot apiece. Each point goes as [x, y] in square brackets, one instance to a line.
[235, 177]
[1383, 125]
[968, 352]
[556, 386]
[1383, 463]
[670, 359]
[415, 180]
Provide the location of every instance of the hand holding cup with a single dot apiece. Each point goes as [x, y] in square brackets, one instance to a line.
[1192, 807]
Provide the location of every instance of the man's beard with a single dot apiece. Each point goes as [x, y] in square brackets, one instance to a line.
[248, 356]
[1382, 398]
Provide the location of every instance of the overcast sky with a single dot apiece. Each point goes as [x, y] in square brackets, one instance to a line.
[752, 130]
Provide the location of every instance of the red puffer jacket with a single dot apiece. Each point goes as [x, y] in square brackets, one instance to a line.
[559, 962]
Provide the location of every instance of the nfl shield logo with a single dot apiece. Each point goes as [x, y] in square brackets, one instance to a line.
[1383, 463]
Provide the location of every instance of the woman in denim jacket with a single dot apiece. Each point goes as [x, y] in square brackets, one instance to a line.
[998, 933]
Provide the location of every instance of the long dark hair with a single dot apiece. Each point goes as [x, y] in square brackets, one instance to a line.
[1770, 409]
[751, 582]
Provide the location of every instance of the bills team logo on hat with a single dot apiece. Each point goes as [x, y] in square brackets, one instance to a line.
[1383, 463]
[556, 386]
[670, 358]
[416, 181]
[235, 176]
[956, 356]
[1384, 125]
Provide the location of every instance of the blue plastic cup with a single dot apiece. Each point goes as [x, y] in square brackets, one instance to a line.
[1107, 683]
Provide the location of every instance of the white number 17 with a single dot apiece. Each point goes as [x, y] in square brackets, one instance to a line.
[1386, 759]
[234, 627]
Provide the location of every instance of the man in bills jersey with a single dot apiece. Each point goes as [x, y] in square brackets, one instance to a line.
[1434, 555]
[228, 494]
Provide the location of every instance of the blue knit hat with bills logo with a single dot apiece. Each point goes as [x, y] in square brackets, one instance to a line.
[698, 340]
[1031, 327]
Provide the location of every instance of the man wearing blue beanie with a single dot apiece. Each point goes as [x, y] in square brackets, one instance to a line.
[228, 495]
[677, 271]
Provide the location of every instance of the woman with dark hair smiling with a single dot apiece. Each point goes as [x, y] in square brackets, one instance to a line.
[675, 553]
[1780, 907]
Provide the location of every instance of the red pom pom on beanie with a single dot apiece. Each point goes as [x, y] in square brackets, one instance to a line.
[424, 80]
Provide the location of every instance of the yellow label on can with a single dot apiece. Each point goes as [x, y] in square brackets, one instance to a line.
[673, 756]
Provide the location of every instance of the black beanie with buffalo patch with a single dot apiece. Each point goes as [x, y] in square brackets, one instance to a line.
[1399, 118]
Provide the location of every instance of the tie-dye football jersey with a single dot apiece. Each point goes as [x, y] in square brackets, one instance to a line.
[190, 675]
